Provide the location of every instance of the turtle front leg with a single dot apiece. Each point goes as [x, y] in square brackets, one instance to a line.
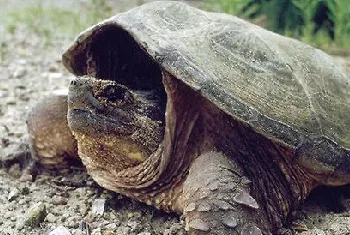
[216, 199]
[51, 142]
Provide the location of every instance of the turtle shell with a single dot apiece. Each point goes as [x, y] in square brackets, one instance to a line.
[282, 88]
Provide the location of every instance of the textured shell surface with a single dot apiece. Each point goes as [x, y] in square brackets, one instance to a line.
[281, 87]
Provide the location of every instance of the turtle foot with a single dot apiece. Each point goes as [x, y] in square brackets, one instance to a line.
[51, 142]
[216, 199]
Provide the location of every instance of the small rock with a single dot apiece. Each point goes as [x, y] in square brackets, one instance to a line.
[22, 202]
[60, 231]
[26, 178]
[55, 75]
[20, 225]
[10, 101]
[4, 93]
[35, 215]
[58, 200]
[53, 69]
[14, 193]
[20, 72]
[51, 218]
[22, 62]
[98, 207]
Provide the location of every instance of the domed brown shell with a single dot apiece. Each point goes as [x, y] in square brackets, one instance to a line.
[284, 89]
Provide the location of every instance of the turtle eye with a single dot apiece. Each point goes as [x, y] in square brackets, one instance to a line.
[117, 94]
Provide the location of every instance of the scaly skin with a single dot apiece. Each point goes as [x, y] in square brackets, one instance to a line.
[190, 166]
[51, 140]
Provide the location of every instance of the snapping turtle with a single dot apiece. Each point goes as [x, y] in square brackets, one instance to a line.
[200, 113]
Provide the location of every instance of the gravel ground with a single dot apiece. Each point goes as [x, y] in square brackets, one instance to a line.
[29, 70]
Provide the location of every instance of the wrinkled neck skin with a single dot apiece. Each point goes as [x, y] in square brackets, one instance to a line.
[157, 180]
[195, 126]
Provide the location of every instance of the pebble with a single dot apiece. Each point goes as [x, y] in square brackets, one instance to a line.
[4, 93]
[20, 72]
[98, 207]
[35, 215]
[26, 178]
[22, 62]
[51, 218]
[58, 200]
[55, 75]
[14, 193]
[61, 230]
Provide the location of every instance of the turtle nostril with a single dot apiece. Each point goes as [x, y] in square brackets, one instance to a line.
[73, 82]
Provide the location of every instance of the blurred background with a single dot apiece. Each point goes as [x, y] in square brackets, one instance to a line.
[322, 23]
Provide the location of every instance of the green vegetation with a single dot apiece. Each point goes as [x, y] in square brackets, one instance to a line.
[323, 23]
[49, 20]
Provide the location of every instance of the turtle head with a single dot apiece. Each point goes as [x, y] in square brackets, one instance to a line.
[113, 124]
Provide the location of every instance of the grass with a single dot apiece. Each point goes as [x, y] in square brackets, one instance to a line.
[295, 18]
[49, 20]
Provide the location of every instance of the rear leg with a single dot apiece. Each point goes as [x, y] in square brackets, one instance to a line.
[216, 199]
[51, 142]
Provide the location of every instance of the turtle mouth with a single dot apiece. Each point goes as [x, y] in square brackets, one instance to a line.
[89, 123]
